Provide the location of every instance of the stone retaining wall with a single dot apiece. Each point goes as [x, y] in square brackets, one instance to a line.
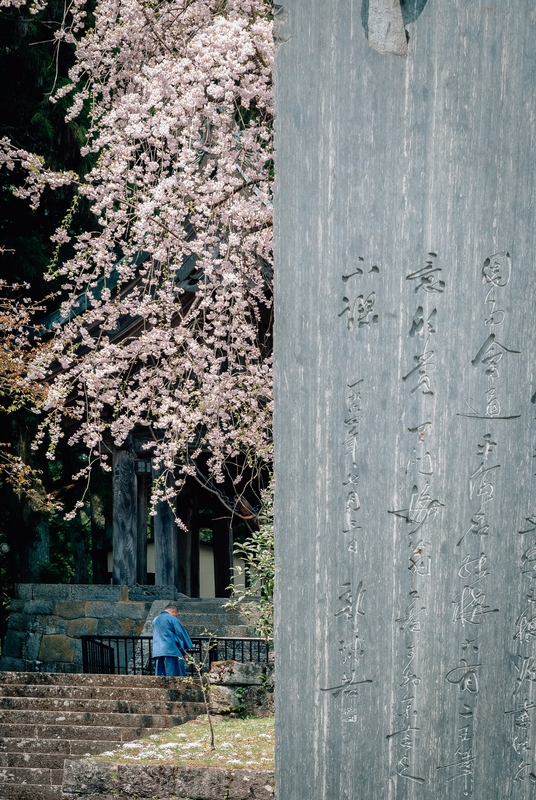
[91, 779]
[243, 688]
[46, 621]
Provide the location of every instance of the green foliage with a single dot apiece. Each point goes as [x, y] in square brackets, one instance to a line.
[256, 599]
[240, 705]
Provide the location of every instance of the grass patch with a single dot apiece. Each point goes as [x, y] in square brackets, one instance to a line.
[240, 743]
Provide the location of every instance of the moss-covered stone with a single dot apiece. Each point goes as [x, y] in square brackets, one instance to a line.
[82, 627]
[105, 592]
[46, 624]
[70, 610]
[118, 627]
[134, 611]
[57, 648]
[41, 606]
[100, 609]
[54, 591]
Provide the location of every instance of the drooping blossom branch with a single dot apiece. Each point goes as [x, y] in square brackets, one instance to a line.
[17, 392]
[175, 278]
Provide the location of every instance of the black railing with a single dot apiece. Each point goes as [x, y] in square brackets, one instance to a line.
[244, 650]
[133, 655]
[100, 656]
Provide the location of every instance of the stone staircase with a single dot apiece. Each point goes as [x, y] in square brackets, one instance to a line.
[48, 717]
[199, 616]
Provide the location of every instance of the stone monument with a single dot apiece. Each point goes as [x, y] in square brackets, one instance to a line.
[405, 427]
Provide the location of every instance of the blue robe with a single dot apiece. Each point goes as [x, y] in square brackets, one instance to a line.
[170, 642]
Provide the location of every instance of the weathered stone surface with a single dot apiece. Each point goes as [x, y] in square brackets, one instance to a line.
[200, 783]
[35, 747]
[76, 628]
[150, 593]
[223, 699]
[146, 781]
[405, 416]
[100, 608]
[13, 644]
[129, 610]
[258, 701]
[88, 777]
[152, 781]
[110, 594]
[29, 775]
[11, 664]
[45, 623]
[54, 591]
[32, 646]
[60, 667]
[72, 609]
[56, 648]
[18, 621]
[31, 792]
[234, 672]
[39, 606]
[39, 761]
[24, 591]
[115, 627]
[249, 784]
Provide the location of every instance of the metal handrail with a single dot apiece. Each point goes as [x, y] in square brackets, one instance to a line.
[132, 655]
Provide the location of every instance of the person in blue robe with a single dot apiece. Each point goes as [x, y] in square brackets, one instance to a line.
[170, 642]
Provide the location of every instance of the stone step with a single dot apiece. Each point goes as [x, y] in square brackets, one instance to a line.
[55, 748]
[204, 605]
[48, 717]
[33, 760]
[79, 679]
[200, 629]
[89, 718]
[79, 705]
[28, 791]
[79, 732]
[28, 775]
[59, 747]
[223, 618]
[185, 693]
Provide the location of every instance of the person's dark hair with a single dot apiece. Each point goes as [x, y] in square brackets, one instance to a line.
[173, 605]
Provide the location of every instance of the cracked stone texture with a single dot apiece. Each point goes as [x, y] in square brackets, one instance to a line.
[201, 783]
[91, 779]
[234, 672]
[150, 781]
[88, 777]
[251, 784]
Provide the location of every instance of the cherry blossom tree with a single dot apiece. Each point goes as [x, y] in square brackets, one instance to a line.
[17, 392]
[166, 309]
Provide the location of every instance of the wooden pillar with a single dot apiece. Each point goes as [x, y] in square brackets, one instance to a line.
[142, 481]
[195, 582]
[101, 537]
[166, 553]
[125, 521]
[77, 535]
[222, 542]
[184, 542]
[188, 542]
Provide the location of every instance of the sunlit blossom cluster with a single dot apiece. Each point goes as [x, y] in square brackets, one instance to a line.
[180, 103]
